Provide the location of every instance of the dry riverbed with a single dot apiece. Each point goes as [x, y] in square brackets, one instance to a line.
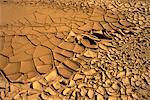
[74, 50]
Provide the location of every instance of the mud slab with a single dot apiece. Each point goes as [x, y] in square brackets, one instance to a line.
[74, 49]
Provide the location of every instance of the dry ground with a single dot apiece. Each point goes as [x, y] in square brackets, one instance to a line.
[74, 50]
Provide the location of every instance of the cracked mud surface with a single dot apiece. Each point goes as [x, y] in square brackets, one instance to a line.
[74, 50]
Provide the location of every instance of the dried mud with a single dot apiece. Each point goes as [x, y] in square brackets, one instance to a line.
[74, 50]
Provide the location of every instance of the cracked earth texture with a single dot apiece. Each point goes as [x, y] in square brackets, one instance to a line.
[74, 50]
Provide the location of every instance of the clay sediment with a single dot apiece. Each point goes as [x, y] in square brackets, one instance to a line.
[72, 50]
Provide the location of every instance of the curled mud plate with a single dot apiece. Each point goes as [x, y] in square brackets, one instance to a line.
[74, 50]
